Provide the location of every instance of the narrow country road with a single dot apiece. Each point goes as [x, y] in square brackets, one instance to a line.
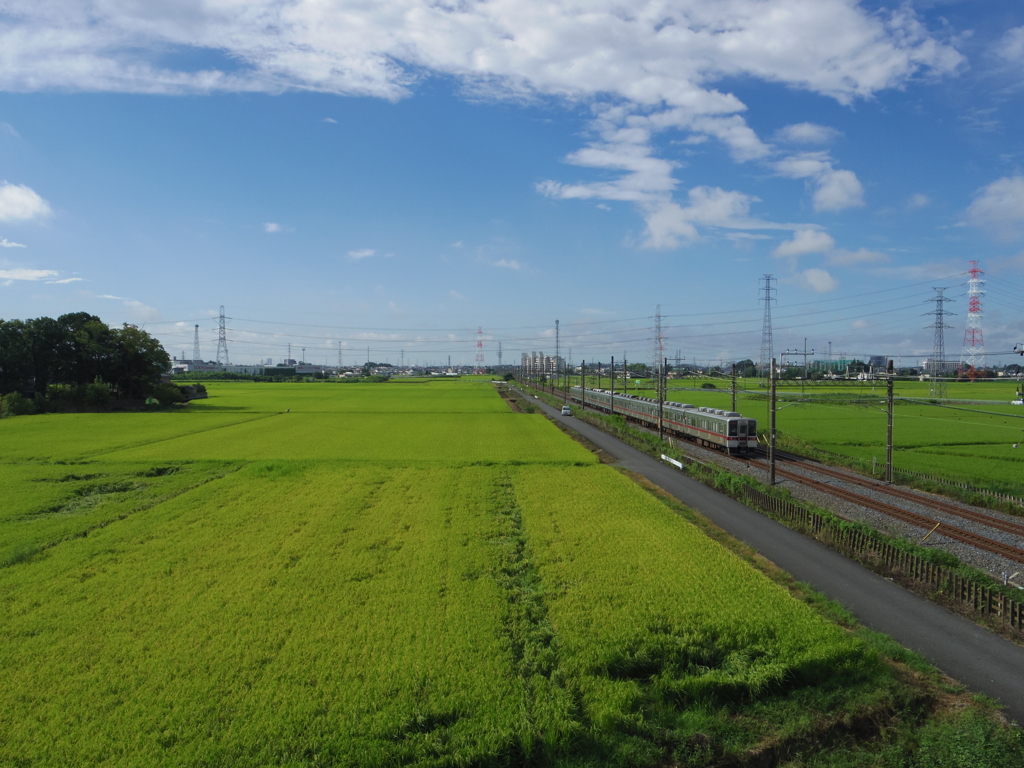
[981, 660]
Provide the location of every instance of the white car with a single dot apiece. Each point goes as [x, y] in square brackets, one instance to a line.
[566, 410]
[1018, 401]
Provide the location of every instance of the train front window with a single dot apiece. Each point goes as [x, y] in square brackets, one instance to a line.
[743, 428]
[732, 429]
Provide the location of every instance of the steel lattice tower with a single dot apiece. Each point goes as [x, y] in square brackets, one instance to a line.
[557, 350]
[937, 365]
[222, 340]
[499, 354]
[659, 339]
[973, 354]
[339, 354]
[767, 351]
[195, 346]
[479, 363]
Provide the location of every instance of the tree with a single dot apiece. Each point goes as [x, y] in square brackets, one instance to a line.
[15, 358]
[67, 355]
[136, 363]
[746, 368]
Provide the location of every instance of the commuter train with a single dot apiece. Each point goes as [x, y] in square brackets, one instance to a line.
[725, 430]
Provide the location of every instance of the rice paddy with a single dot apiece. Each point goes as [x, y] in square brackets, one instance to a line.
[349, 583]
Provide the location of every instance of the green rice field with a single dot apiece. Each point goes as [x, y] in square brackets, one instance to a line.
[314, 575]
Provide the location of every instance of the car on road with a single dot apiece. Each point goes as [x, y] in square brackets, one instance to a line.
[566, 410]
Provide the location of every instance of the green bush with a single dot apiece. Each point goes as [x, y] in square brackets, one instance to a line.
[97, 394]
[168, 394]
[15, 404]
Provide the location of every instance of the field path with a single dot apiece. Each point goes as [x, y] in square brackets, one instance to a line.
[981, 660]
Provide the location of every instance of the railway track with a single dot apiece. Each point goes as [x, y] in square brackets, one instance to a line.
[952, 532]
[1007, 526]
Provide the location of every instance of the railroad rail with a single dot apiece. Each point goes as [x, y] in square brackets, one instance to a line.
[1007, 526]
[952, 532]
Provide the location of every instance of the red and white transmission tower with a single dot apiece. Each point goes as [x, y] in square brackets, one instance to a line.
[479, 365]
[973, 355]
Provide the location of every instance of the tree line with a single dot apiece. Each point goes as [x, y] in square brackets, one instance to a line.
[46, 358]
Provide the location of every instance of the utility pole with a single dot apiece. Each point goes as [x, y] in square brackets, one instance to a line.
[771, 424]
[557, 350]
[888, 427]
[805, 354]
[613, 388]
[766, 325]
[583, 386]
[222, 339]
[661, 399]
[938, 362]
[625, 375]
[734, 387]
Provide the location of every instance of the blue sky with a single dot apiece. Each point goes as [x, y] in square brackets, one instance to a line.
[395, 174]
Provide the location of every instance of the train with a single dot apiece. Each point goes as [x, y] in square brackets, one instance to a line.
[713, 428]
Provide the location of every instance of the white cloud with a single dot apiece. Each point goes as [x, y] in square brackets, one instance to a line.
[455, 294]
[362, 253]
[860, 324]
[805, 241]
[66, 280]
[841, 258]
[137, 311]
[657, 61]
[657, 52]
[9, 130]
[1011, 47]
[270, 227]
[999, 207]
[27, 274]
[508, 264]
[918, 201]
[19, 203]
[5, 243]
[819, 280]
[807, 133]
[668, 222]
[834, 190]
[141, 313]
[330, 120]
[837, 191]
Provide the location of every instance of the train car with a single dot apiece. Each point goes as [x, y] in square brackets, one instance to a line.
[726, 430]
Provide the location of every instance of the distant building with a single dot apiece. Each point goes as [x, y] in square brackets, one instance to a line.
[537, 363]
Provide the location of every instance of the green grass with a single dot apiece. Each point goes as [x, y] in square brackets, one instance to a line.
[400, 396]
[377, 437]
[353, 584]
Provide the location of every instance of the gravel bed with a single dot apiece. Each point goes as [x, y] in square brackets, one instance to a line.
[997, 566]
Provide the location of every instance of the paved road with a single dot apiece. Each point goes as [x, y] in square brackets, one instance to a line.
[981, 660]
